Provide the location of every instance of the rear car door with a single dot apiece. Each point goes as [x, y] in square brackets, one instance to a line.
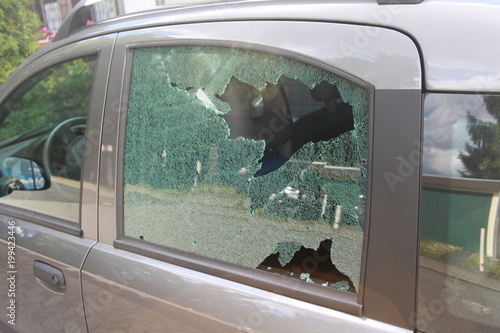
[251, 180]
[51, 115]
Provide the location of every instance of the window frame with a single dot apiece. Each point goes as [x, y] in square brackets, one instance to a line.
[100, 47]
[393, 216]
[330, 298]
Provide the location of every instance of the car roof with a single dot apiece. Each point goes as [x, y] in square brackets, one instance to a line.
[455, 37]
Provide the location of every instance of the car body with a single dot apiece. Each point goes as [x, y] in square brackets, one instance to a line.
[260, 166]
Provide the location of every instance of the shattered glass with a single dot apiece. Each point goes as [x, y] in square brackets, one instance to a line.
[227, 155]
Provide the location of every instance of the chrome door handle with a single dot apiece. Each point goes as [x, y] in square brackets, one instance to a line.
[49, 276]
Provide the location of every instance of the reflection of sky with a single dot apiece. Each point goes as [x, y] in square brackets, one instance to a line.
[29, 184]
[23, 170]
[462, 56]
[445, 131]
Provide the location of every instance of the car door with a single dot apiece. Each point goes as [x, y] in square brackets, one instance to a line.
[232, 197]
[51, 120]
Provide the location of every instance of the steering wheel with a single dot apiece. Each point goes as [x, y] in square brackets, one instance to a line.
[63, 149]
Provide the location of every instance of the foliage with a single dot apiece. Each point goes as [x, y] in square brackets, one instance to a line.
[481, 158]
[491, 266]
[18, 34]
[436, 250]
[51, 96]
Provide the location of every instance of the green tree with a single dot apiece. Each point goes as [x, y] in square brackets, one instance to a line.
[481, 158]
[49, 97]
[18, 34]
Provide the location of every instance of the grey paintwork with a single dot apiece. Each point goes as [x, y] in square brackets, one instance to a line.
[329, 43]
[448, 33]
[95, 125]
[38, 308]
[301, 40]
[136, 289]
[136, 293]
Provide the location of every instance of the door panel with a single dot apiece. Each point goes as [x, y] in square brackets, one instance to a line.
[133, 293]
[385, 70]
[44, 233]
[37, 305]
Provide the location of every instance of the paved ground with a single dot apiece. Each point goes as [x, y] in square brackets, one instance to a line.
[460, 273]
[454, 299]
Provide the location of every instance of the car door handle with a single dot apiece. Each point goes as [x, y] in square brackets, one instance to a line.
[49, 276]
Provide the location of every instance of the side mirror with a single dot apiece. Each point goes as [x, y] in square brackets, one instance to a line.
[20, 174]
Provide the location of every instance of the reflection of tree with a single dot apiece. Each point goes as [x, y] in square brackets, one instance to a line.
[51, 96]
[481, 158]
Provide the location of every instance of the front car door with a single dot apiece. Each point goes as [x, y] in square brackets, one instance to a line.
[224, 207]
[51, 115]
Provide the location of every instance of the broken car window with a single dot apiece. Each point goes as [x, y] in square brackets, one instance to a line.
[249, 158]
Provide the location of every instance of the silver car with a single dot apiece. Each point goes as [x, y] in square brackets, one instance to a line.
[256, 166]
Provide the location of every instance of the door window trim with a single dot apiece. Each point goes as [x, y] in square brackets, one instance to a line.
[339, 300]
[52, 60]
[393, 220]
